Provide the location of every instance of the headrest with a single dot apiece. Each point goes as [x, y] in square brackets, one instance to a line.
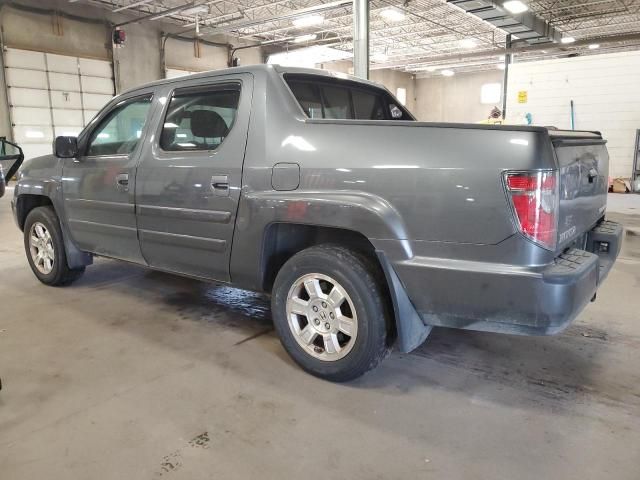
[208, 124]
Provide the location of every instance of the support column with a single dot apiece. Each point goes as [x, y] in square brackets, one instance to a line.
[507, 62]
[361, 38]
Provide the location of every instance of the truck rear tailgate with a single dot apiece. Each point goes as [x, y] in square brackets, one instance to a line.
[583, 163]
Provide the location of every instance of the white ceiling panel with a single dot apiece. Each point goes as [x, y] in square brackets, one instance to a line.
[97, 85]
[95, 68]
[24, 59]
[67, 117]
[95, 101]
[31, 116]
[68, 100]
[65, 82]
[28, 97]
[17, 77]
[62, 63]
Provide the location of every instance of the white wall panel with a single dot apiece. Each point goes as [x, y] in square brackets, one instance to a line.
[67, 131]
[47, 88]
[28, 97]
[95, 101]
[65, 82]
[70, 100]
[605, 92]
[31, 116]
[24, 59]
[32, 150]
[17, 77]
[62, 63]
[175, 73]
[32, 134]
[95, 68]
[67, 117]
[97, 85]
[89, 115]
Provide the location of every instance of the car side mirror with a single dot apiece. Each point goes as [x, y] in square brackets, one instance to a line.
[65, 147]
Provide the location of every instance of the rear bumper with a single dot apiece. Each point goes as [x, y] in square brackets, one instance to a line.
[510, 299]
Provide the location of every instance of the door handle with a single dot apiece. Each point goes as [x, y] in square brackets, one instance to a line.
[122, 181]
[220, 185]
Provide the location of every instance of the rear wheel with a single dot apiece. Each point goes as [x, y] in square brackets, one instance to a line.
[44, 245]
[331, 312]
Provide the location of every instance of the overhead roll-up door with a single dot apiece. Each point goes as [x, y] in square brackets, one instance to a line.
[51, 95]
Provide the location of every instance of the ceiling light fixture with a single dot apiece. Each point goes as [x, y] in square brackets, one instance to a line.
[567, 40]
[515, 6]
[594, 46]
[392, 14]
[448, 73]
[308, 21]
[305, 38]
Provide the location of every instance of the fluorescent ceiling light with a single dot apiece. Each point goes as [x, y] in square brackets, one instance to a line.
[594, 46]
[448, 73]
[392, 14]
[431, 69]
[308, 21]
[305, 38]
[567, 40]
[468, 43]
[515, 6]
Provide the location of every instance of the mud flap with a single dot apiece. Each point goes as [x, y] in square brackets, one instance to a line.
[411, 330]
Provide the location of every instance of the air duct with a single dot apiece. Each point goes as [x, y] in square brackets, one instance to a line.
[524, 27]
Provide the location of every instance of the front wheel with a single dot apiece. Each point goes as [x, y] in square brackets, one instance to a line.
[44, 246]
[331, 312]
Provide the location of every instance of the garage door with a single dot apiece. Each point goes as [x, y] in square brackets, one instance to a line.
[51, 95]
[177, 72]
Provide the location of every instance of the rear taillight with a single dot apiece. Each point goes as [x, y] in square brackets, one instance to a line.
[534, 198]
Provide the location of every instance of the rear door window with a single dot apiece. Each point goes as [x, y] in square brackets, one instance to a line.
[343, 99]
[337, 103]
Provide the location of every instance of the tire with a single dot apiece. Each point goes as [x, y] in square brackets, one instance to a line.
[43, 226]
[352, 341]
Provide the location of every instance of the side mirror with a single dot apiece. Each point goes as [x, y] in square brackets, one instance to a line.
[65, 147]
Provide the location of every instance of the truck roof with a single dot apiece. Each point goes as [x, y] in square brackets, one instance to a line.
[261, 68]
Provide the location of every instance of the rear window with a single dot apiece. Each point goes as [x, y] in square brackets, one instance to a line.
[343, 99]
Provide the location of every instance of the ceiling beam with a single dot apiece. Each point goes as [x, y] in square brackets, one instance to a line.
[513, 51]
[131, 5]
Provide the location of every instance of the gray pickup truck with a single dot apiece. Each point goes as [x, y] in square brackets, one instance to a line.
[367, 227]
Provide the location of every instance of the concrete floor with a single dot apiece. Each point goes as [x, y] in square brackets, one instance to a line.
[131, 374]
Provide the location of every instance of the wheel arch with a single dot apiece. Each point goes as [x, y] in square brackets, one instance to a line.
[281, 241]
[26, 202]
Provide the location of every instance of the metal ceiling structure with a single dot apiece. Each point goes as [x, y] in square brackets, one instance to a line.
[421, 36]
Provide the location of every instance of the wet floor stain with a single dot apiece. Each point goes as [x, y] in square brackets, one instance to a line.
[175, 460]
[221, 304]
